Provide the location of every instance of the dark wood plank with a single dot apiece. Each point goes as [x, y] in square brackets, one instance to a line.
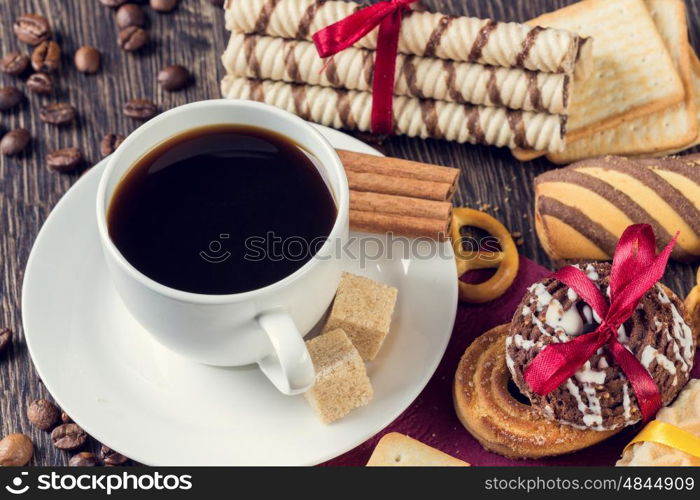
[192, 35]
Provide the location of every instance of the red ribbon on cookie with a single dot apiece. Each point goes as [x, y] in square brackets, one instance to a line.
[344, 33]
[635, 269]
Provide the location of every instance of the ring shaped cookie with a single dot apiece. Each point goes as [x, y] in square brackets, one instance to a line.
[501, 423]
[506, 261]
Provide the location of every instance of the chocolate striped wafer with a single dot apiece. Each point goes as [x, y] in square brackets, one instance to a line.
[482, 41]
[424, 118]
[296, 61]
[582, 210]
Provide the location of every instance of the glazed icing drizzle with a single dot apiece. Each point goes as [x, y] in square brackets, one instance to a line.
[592, 412]
[650, 354]
[626, 403]
[681, 331]
[569, 321]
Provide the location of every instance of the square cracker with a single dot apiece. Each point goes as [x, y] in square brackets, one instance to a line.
[579, 17]
[633, 73]
[695, 78]
[395, 449]
[670, 128]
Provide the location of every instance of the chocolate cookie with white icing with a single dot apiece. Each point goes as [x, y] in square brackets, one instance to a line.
[599, 396]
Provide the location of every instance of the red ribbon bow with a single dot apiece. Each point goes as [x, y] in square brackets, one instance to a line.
[341, 35]
[635, 269]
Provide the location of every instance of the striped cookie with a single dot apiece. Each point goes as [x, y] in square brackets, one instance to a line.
[582, 210]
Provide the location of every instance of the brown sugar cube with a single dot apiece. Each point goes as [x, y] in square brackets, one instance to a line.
[341, 377]
[363, 309]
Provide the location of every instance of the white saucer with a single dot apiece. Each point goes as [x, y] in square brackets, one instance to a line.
[160, 409]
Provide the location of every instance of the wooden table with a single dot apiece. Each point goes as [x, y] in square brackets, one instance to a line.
[192, 35]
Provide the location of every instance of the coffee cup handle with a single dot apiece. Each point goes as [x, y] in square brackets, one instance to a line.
[289, 365]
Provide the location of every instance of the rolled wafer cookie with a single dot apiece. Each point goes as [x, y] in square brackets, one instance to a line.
[270, 58]
[424, 118]
[582, 210]
[482, 41]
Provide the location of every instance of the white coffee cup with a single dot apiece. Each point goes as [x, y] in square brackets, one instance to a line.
[264, 326]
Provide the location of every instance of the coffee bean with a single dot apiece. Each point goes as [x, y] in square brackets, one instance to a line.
[68, 437]
[133, 38]
[13, 143]
[113, 3]
[59, 113]
[163, 5]
[64, 160]
[174, 77]
[87, 59]
[14, 63]
[65, 418]
[5, 338]
[46, 56]
[110, 143]
[131, 15]
[40, 83]
[83, 459]
[140, 109]
[111, 457]
[32, 28]
[10, 97]
[43, 414]
[16, 450]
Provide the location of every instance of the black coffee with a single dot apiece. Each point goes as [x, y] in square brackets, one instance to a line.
[221, 209]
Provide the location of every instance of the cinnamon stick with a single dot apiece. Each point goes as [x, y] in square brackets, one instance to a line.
[397, 167]
[399, 205]
[391, 195]
[401, 186]
[403, 225]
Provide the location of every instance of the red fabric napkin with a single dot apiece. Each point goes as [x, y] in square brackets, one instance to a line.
[432, 419]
